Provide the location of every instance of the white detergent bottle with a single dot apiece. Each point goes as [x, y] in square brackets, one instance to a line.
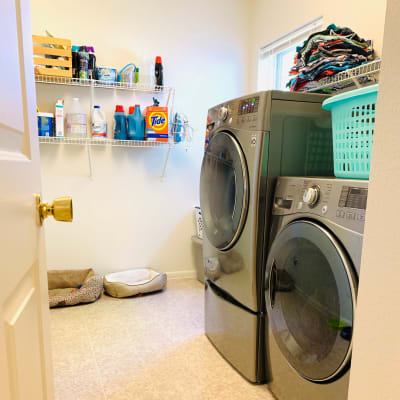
[76, 120]
[99, 124]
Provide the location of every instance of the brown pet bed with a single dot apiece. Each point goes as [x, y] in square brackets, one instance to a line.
[70, 287]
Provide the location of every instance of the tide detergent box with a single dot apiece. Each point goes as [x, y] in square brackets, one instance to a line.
[157, 124]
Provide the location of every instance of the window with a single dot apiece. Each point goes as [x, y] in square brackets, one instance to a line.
[276, 59]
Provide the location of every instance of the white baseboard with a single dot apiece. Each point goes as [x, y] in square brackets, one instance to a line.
[190, 274]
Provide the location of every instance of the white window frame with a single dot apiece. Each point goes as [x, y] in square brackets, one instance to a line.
[270, 70]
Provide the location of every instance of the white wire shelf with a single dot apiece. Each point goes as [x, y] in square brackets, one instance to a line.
[139, 87]
[103, 142]
[359, 76]
[89, 142]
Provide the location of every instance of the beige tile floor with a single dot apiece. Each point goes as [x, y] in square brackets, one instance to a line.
[145, 348]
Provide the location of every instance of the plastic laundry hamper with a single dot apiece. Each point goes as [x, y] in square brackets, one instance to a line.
[197, 254]
[353, 122]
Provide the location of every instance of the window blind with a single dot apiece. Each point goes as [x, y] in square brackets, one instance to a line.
[292, 38]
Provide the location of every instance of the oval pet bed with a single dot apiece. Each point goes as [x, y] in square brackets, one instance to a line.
[70, 287]
[133, 282]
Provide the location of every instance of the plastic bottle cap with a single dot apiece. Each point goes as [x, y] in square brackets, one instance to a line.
[90, 49]
[75, 48]
[96, 106]
[137, 105]
[158, 60]
[119, 108]
[131, 109]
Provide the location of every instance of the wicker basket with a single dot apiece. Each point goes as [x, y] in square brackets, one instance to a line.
[50, 60]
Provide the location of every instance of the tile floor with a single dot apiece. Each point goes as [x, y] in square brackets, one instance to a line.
[151, 347]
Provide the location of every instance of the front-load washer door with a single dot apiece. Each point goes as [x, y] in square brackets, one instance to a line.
[224, 190]
[311, 295]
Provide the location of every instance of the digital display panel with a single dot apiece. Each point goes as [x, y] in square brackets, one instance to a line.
[353, 197]
[249, 105]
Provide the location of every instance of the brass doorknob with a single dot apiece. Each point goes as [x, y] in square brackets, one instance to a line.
[61, 209]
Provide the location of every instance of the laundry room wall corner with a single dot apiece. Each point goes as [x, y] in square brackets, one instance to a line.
[125, 217]
[376, 353]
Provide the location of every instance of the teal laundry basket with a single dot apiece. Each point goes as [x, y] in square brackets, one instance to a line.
[353, 122]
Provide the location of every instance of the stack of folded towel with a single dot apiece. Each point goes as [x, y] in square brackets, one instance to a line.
[326, 53]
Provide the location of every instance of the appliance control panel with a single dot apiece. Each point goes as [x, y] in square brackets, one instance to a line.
[342, 201]
[244, 113]
[248, 106]
[353, 197]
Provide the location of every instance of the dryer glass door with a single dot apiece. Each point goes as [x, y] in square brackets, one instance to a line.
[311, 300]
[224, 190]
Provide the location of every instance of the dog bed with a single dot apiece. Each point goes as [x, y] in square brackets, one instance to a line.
[70, 287]
[133, 282]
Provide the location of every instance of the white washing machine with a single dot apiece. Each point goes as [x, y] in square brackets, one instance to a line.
[311, 285]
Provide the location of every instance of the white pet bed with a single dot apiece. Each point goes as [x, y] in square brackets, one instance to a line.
[133, 282]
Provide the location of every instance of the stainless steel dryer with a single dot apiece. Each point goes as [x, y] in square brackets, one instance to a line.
[253, 139]
[312, 274]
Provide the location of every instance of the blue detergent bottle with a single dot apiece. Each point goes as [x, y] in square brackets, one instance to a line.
[120, 123]
[131, 127]
[135, 123]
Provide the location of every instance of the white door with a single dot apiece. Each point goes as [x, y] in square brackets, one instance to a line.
[25, 371]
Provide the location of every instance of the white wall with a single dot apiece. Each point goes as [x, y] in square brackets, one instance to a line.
[376, 355]
[272, 19]
[125, 217]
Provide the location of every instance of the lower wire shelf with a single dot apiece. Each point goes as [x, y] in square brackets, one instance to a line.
[89, 142]
[103, 142]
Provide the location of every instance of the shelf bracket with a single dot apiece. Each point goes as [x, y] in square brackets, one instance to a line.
[89, 151]
[354, 78]
[165, 163]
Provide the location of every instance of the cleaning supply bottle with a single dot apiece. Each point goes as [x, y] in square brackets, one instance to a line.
[136, 74]
[135, 123]
[76, 120]
[99, 124]
[91, 63]
[139, 122]
[119, 123]
[158, 72]
[83, 63]
[131, 128]
[75, 61]
[59, 114]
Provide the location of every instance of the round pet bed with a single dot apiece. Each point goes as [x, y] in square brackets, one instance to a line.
[133, 282]
[70, 287]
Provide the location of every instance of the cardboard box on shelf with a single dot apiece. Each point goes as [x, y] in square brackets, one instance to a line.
[157, 124]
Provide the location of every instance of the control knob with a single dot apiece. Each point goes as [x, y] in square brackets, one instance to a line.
[223, 113]
[311, 195]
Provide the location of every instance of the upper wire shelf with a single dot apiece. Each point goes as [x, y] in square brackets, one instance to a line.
[139, 87]
[359, 76]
